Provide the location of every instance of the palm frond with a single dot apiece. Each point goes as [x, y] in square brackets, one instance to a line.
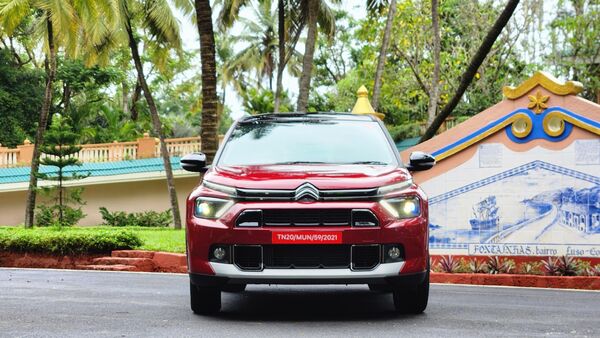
[230, 12]
[12, 13]
[161, 22]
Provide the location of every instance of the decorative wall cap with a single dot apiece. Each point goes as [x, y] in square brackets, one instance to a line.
[545, 80]
[363, 106]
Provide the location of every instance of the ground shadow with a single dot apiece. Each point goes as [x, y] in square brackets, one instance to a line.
[312, 303]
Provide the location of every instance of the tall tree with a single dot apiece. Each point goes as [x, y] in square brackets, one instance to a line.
[434, 90]
[385, 42]
[261, 39]
[160, 21]
[471, 70]
[307, 61]
[62, 26]
[281, 53]
[210, 118]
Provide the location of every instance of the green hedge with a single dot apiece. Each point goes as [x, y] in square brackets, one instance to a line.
[136, 219]
[67, 241]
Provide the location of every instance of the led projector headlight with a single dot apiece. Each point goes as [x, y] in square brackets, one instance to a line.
[403, 207]
[210, 207]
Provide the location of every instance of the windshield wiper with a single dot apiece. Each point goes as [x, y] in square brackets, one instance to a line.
[368, 162]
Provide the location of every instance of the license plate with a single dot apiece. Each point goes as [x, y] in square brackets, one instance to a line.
[306, 237]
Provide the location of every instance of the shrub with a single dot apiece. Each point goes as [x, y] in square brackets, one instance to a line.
[531, 268]
[477, 266]
[567, 266]
[496, 265]
[50, 215]
[593, 271]
[550, 266]
[139, 219]
[67, 241]
[448, 264]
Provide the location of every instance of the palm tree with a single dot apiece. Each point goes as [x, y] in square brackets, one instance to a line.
[262, 43]
[210, 120]
[378, 5]
[64, 24]
[292, 18]
[159, 20]
[312, 13]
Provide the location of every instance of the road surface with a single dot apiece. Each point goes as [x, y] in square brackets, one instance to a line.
[65, 303]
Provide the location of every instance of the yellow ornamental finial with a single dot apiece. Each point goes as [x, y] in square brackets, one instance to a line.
[363, 106]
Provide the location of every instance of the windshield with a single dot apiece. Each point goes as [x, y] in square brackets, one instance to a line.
[307, 142]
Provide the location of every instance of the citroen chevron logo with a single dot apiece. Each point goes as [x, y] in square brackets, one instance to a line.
[307, 190]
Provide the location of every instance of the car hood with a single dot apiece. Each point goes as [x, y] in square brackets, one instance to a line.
[321, 176]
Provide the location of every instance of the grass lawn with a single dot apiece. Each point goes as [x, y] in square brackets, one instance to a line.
[82, 239]
[161, 239]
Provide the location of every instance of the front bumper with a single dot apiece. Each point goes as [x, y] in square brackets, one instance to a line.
[202, 234]
[385, 274]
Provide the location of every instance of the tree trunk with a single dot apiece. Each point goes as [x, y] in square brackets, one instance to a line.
[434, 91]
[208, 128]
[281, 62]
[382, 54]
[125, 98]
[468, 75]
[137, 92]
[309, 51]
[135, 55]
[43, 122]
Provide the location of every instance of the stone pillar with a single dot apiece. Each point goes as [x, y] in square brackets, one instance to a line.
[146, 147]
[25, 152]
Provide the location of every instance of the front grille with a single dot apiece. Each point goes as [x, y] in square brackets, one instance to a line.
[306, 217]
[357, 257]
[306, 256]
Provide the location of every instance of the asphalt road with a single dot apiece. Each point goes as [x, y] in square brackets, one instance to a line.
[107, 304]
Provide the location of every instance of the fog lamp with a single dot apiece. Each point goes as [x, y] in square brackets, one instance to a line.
[219, 253]
[394, 252]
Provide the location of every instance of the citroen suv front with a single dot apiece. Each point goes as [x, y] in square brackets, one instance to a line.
[307, 199]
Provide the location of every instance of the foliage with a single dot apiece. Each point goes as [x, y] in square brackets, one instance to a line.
[567, 266]
[448, 264]
[593, 271]
[404, 131]
[477, 266]
[531, 268]
[550, 266]
[260, 101]
[67, 241]
[58, 148]
[138, 219]
[21, 93]
[497, 265]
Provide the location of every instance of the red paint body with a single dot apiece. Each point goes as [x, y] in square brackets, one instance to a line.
[411, 233]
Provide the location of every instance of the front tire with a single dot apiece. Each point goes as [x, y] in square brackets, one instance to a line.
[205, 300]
[412, 299]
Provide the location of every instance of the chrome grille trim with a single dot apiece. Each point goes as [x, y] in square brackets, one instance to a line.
[289, 195]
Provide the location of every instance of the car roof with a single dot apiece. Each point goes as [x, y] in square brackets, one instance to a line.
[306, 116]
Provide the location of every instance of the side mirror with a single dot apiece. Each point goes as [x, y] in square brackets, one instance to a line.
[420, 161]
[194, 162]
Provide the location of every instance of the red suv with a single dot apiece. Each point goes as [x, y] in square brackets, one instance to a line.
[308, 199]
